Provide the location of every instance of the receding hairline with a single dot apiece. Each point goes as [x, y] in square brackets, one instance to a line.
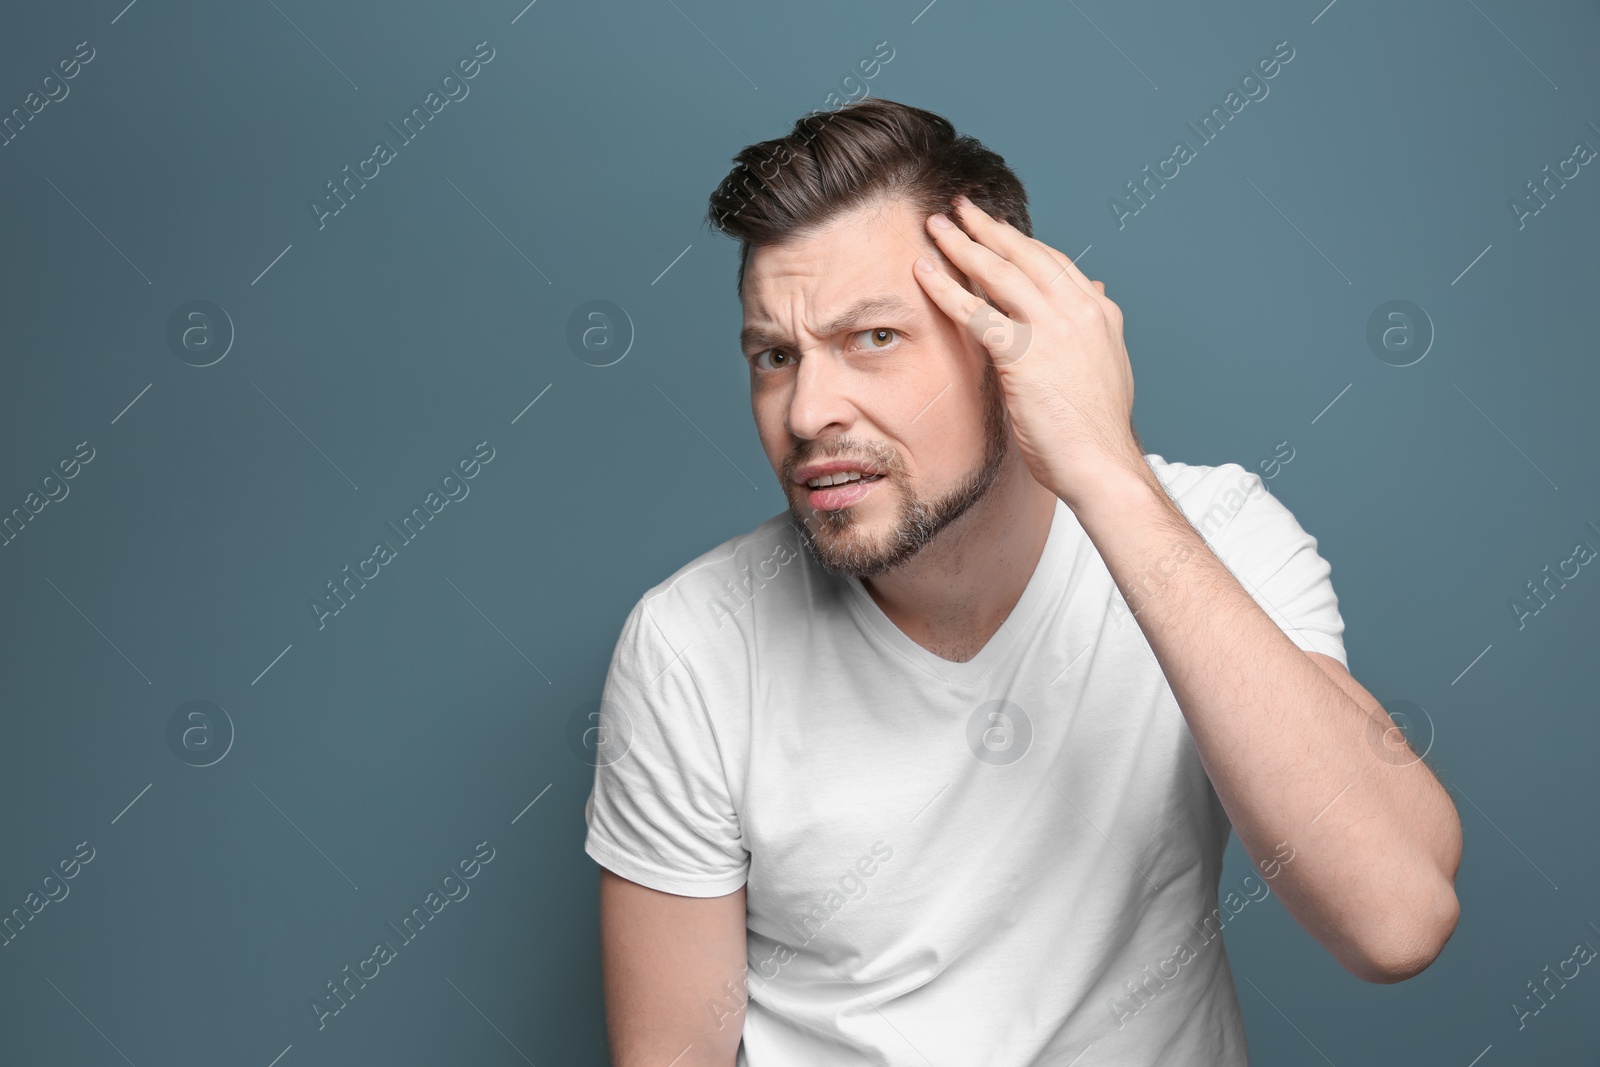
[867, 149]
[874, 207]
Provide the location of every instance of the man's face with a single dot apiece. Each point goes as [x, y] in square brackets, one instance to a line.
[852, 365]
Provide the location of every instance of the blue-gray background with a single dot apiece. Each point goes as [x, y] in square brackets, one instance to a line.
[371, 355]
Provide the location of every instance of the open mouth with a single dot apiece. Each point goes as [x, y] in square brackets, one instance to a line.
[844, 495]
[859, 480]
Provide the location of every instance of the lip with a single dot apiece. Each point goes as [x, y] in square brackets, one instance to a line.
[833, 466]
[839, 497]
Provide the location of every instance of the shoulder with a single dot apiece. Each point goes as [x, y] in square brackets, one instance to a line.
[723, 585]
[1262, 543]
[1213, 497]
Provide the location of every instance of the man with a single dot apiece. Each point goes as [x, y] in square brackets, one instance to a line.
[939, 765]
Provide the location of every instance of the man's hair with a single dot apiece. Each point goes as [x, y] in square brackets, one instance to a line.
[832, 162]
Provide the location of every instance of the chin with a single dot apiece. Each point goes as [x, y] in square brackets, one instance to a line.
[854, 542]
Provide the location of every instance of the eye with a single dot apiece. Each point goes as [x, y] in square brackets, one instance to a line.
[775, 354]
[879, 337]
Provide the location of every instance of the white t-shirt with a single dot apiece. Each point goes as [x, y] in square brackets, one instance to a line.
[1003, 861]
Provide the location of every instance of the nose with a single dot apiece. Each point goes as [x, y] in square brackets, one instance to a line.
[820, 397]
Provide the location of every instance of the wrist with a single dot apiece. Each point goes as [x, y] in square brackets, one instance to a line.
[1113, 483]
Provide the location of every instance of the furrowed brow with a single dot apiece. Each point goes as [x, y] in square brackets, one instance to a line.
[862, 313]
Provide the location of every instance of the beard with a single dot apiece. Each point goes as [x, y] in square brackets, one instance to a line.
[845, 549]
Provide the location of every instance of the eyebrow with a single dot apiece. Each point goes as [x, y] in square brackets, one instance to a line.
[867, 309]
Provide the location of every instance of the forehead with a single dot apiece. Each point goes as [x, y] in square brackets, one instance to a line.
[870, 248]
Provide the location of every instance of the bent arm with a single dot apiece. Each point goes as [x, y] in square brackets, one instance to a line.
[1299, 752]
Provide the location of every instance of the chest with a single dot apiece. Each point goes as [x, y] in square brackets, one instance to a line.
[887, 814]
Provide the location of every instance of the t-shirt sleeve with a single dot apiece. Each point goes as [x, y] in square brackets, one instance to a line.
[660, 811]
[1277, 563]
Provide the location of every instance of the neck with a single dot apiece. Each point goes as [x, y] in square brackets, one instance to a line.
[953, 595]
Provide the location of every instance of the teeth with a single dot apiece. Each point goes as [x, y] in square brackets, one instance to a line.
[835, 479]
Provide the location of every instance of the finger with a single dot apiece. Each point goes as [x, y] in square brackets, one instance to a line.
[1101, 286]
[1061, 263]
[1006, 285]
[1070, 270]
[977, 317]
[1031, 256]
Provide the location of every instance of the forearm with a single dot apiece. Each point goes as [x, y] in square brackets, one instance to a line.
[1292, 756]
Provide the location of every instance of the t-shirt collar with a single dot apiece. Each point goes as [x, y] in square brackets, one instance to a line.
[1041, 588]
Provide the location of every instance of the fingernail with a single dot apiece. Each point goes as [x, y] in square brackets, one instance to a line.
[924, 263]
[942, 221]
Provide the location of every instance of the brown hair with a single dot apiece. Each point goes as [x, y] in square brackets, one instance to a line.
[832, 162]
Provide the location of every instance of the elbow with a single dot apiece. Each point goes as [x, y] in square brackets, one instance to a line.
[1409, 940]
[1421, 916]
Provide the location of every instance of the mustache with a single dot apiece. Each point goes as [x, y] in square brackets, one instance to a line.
[880, 457]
